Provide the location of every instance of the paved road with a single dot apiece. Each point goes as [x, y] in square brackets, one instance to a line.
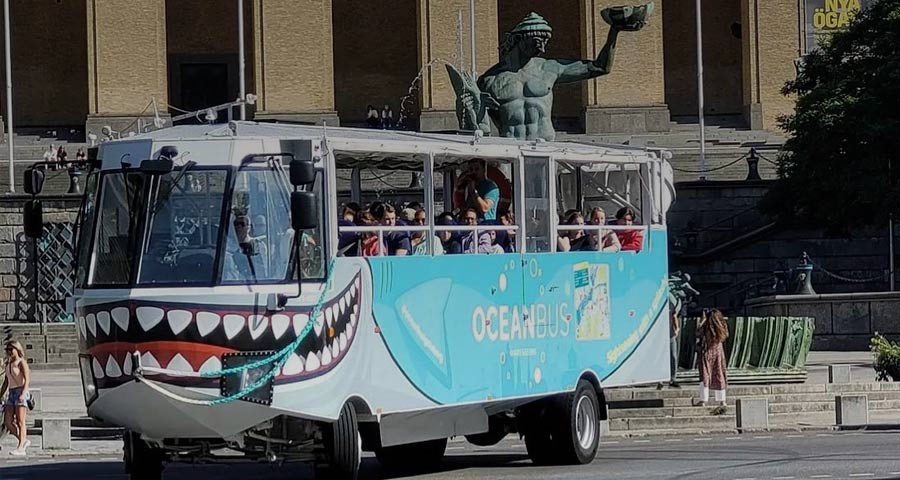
[866, 455]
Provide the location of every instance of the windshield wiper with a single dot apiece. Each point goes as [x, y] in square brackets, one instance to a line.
[159, 196]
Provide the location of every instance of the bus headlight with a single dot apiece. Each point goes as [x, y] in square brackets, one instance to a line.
[88, 384]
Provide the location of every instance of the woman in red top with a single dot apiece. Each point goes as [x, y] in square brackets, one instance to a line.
[631, 240]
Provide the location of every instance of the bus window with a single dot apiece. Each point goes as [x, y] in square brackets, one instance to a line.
[538, 213]
[183, 228]
[259, 239]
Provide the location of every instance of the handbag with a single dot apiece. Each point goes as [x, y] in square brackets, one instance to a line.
[29, 402]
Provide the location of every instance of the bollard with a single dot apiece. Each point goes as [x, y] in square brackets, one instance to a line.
[56, 433]
[839, 374]
[752, 413]
[851, 409]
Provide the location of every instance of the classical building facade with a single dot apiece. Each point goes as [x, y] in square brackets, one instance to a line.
[89, 63]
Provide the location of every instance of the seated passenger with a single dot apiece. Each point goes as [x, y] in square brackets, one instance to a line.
[397, 242]
[481, 193]
[574, 240]
[604, 240]
[347, 241]
[449, 240]
[417, 239]
[369, 246]
[485, 241]
[631, 240]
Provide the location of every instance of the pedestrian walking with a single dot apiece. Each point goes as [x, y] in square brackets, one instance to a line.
[17, 380]
[711, 335]
[674, 328]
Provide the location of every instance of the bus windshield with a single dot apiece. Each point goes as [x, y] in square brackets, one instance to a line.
[184, 216]
[197, 227]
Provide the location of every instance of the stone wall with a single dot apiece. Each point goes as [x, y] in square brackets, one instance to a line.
[17, 287]
[843, 321]
[718, 235]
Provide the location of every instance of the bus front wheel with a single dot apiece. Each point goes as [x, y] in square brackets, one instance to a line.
[142, 462]
[342, 444]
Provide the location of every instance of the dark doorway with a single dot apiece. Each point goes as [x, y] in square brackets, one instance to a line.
[203, 85]
[198, 82]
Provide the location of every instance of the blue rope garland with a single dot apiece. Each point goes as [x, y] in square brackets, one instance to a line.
[280, 357]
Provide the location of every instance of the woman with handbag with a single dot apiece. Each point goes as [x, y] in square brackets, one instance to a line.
[711, 335]
[17, 380]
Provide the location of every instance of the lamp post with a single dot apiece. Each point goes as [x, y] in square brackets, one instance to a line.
[243, 81]
[9, 110]
[700, 91]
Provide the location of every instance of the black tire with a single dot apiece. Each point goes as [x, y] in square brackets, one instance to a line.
[342, 447]
[540, 447]
[412, 457]
[142, 462]
[577, 435]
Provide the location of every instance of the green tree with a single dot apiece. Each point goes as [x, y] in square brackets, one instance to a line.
[836, 167]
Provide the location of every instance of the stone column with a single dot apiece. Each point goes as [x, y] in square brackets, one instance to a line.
[294, 60]
[631, 99]
[771, 42]
[438, 42]
[126, 62]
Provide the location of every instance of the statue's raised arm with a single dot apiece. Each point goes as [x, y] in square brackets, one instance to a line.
[517, 92]
[620, 19]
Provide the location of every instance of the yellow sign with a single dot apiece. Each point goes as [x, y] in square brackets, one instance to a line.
[835, 14]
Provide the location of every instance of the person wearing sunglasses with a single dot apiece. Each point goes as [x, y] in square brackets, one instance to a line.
[17, 380]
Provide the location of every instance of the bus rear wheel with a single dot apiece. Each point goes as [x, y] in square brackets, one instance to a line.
[566, 429]
[578, 435]
[412, 457]
[342, 444]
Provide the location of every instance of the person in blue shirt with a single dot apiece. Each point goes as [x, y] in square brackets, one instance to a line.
[481, 193]
[397, 242]
[347, 241]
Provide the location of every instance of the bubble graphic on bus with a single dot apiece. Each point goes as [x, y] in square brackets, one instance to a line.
[592, 309]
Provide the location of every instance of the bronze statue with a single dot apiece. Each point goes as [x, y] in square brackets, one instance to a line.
[517, 92]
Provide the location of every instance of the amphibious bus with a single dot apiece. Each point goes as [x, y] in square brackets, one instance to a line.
[221, 319]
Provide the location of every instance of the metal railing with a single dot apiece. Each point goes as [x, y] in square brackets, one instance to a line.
[644, 229]
[432, 229]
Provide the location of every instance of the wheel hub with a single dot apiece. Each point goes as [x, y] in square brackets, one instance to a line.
[585, 422]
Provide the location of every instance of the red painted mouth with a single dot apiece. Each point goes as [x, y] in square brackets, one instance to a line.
[193, 338]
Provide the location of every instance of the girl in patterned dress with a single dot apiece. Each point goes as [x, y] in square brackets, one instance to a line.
[711, 335]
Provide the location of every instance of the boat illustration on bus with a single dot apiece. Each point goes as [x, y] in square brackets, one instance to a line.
[224, 302]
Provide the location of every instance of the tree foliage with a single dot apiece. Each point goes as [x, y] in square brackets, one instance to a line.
[836, 167]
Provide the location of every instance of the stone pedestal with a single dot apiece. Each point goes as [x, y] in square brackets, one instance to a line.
[438, 120]
[56, 434]
[851, 409]
[839, 374]
[752, 413]
[626, 119]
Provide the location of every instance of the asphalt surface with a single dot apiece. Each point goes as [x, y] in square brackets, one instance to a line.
[776, 456]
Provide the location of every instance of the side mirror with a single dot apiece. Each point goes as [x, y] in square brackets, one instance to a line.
[304, 215]
[34, 180]
[33, 219]
[303, 172]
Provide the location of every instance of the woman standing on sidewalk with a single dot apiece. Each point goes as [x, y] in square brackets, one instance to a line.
[711, 335]
[17, 379]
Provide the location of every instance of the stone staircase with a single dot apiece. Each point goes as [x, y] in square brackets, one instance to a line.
[52, 346]
[29, 148]
[726, 141]
[647, 411]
